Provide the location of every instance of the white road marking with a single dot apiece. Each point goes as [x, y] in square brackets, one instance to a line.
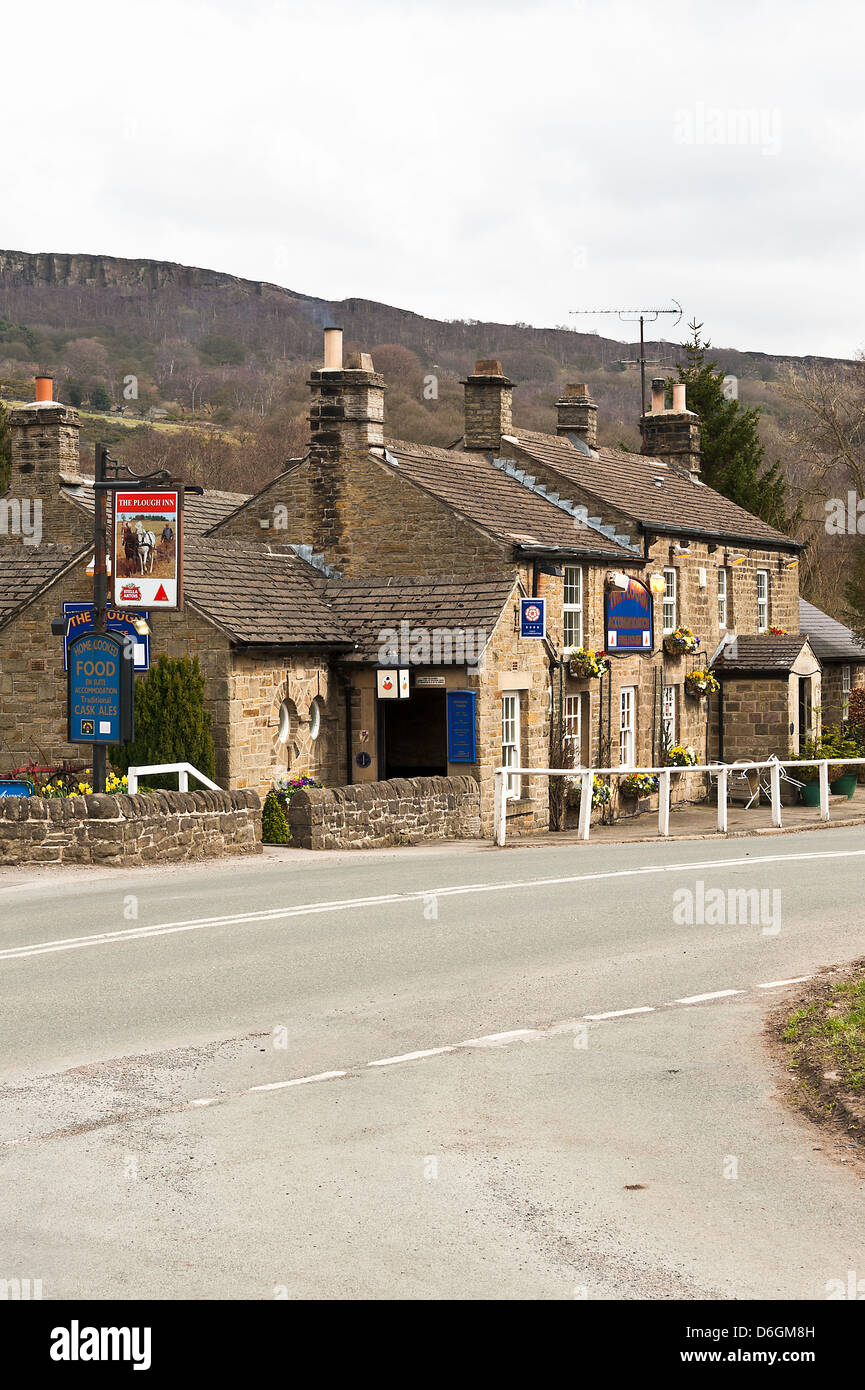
[295, 1081]
[716, 994]
[795, 980]
[621, 1013]
[74, 943]
[410, 1056]
[487, 1040]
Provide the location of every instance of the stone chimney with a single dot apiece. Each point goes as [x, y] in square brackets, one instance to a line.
[672, 435]
[489, 396]
[347, 408]
[577, 414]
[44, 446]
[346, 421]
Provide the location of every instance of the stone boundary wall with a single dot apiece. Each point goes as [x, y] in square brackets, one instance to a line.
[373, 815]
[119, 830]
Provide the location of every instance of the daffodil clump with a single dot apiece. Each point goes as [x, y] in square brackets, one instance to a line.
[58, 788]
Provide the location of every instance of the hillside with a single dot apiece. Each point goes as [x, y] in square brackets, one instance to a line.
[219, 363]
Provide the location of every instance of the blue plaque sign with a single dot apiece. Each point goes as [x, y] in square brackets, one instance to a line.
[461, 726]
[80, 619]
[533, 617]
[628, 619]
[99, 689]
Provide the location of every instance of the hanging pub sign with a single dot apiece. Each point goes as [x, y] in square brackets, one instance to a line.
[147, 553]
[80, 619]
[99, 689]
[628, 619]
[533, 617]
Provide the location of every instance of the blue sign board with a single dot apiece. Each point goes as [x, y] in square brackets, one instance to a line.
[533, 617]
[80, 619]
[99, 689]
[12, 787]
[628, 619]
[461, 726]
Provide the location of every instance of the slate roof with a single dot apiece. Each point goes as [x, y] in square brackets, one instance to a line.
[471, 485]
[627, 482]
[369, 606]
[25, 570]
[762, 651]
[258, 597]
[199, 513]
[830, 640]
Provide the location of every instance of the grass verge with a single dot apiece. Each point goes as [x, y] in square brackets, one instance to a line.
[823, 1039]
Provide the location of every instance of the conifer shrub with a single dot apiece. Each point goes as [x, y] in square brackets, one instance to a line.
[172, 722]
[274, 824]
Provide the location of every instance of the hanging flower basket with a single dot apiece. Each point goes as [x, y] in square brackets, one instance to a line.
[681, 755]
[699, 683]
[638, 784]
[681, 642]
[777, 631]
[600, 791]
[585, 664]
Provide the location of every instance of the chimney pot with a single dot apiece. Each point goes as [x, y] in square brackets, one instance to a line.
[659, 395]
[333, 349]
[44, 388]
[488, 366]
[679, 398]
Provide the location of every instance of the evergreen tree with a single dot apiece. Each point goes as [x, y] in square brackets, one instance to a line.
[172, 723]
[5, 450]
[732, 453]
[99, 397]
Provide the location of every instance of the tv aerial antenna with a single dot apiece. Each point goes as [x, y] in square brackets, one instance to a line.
[642, 317]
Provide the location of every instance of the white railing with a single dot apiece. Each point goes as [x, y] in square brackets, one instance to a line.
[183, 770]
[720, 770]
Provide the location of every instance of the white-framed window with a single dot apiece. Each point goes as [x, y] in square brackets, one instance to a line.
[511, 743]
[668, 715]
[573, 606]
[762, 600]
[722, 597]
[573, 728]
[627, 706]
[670, 623]
[845, 692]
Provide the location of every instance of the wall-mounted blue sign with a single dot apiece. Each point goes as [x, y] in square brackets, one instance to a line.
[533, 617]
[461, 726]
[80, 619]
[99, 689]
[628, 619]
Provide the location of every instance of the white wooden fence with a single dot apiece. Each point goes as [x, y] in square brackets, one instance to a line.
[664, 774]
[184, 772]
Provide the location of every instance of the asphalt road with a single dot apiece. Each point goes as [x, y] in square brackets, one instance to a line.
[382, 1075]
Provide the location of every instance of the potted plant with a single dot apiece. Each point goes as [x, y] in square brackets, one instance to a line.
[681, 642]
[682, 755]
[586, 664]
[701, 682]
[839, 743]
[809, 773]
[777, 631]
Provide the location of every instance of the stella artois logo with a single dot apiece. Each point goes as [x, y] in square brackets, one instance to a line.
[130, 593]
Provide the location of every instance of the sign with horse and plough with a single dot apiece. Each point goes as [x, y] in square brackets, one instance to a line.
[146, 567]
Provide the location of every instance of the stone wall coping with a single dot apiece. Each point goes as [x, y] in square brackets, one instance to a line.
[124, 807]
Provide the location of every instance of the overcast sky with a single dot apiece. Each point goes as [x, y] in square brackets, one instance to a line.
[465, 159]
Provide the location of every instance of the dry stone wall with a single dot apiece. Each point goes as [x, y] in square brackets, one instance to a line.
[121, 830]
[373, 815]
